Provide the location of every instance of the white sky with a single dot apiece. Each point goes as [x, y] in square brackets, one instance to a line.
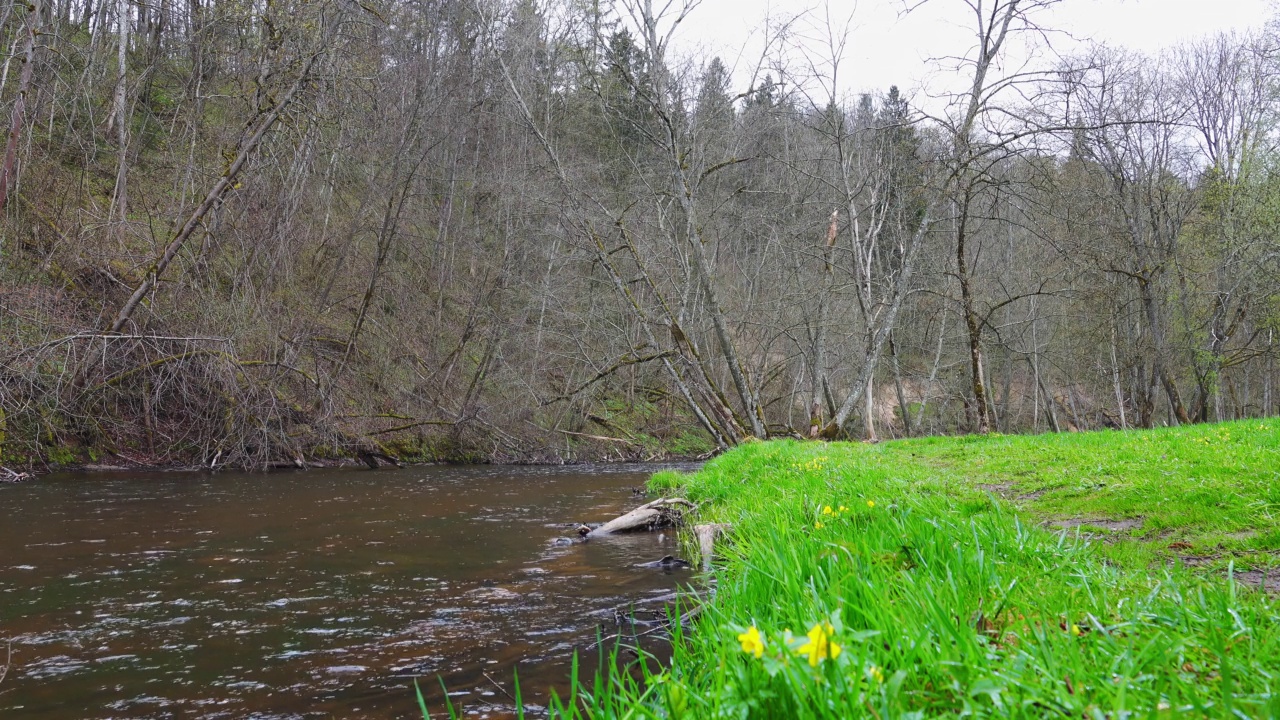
[886, 48]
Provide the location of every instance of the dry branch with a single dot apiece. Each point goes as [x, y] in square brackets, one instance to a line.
[602, 438]
[186, 398]
[13, 476]
[225, 183]
[412, 425]
[622, 362]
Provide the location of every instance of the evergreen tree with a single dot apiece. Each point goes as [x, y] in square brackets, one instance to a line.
[714, 107]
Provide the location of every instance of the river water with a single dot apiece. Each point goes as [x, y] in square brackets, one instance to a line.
[311, 594]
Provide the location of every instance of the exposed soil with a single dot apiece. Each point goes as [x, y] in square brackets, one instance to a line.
[1105, 524]
[1268, 580]
[1010, 490]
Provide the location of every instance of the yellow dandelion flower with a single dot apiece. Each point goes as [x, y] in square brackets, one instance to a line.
[818, 525]
[871, 503]
[752, 642]
[820, 645]
[826, 510]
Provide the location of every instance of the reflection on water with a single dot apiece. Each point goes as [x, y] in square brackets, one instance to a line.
[317, 594]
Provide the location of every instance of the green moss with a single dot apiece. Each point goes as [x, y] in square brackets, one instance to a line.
[60, 455]
[692, 442]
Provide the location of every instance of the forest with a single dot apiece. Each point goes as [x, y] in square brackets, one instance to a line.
[260, 232]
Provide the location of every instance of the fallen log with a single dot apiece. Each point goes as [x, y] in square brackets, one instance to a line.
[664, 512]
[371, 459]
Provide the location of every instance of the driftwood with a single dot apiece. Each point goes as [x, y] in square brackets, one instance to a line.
[7, 475]
[664, 512]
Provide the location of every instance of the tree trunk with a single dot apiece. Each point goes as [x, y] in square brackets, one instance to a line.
[903, 410]
[1115, 377]
[869, 409]
[119, 197]
[1143, 397]
[973, 326]
[746, 395]
[1034, 361]
[876, 335]
[933, 372]
[1048, 404]
[8, 171]
[818, 375]
[1270, 375]
[1158, 372]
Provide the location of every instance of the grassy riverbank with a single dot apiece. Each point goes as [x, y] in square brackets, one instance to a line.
[1054, 575]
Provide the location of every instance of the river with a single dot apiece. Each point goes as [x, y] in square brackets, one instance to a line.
[310, 594]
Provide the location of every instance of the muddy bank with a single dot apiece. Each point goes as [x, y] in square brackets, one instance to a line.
[26, 469]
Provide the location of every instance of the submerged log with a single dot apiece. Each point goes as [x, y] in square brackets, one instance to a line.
[668, 562]
[664, 512]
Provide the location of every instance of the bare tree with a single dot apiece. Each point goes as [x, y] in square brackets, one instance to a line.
[1140, 145]
[18, 116]
[225, 183]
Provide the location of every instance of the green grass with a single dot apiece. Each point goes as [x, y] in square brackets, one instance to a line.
[950, 593]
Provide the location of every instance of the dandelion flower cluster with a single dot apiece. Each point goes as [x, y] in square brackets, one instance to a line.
[820, 645]
[834, 513]
[811, 465]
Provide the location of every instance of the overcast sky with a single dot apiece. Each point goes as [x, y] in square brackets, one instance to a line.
[888, 48]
